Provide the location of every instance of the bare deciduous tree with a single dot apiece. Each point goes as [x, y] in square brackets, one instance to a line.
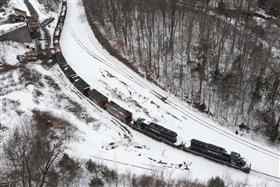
[33, 149]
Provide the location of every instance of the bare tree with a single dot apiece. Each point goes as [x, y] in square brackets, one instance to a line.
[31, 151]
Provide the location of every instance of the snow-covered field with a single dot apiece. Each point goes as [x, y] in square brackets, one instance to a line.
[19, 4]
[102, 137]
[87, 57]
[9, 27]
[9, 9]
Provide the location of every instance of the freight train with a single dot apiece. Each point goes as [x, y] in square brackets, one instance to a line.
[151, 129]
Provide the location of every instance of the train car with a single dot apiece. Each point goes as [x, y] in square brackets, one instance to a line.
[63, 11]
[60, 22]
[119, 112]
[56, 45]
[56, 35]
[60, 60]
[220, 153]
[69, 72]
[59, 25]
[156, 131]
[97, 98]
[204, 145]
[81, 85]
[163, 130]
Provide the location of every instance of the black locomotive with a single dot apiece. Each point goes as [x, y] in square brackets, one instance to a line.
[155, 131]
[220, 154]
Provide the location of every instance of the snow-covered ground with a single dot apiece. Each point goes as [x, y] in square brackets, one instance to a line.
[10, 50]
[9, 27]
[102, 137]
[87, 57]
[41, 11]
[19, 4]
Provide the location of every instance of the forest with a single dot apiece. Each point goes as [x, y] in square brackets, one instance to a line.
[221, 55]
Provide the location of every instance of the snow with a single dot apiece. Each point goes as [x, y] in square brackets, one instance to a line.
[10, 50]
[19, 4]
[42, 13]
[105, 139]
[10, 26]
[104, 73]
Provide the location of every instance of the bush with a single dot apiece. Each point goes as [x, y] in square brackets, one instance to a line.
[189, 183]
[69, 167]
[3, 3]
[145, 180]
[109, 175]
[96, 182]
[91, 166]
[216, 182]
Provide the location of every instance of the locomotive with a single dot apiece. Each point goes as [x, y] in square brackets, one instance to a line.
[217, 153]
[150, 129]
[155, 131]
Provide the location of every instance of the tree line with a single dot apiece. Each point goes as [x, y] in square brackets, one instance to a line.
[213, 52]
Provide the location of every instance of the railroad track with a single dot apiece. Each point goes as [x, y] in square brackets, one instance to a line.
[265, 174]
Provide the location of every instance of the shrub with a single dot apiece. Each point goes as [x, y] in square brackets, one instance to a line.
[216, 182]
[91, 166]
[69, 167]
[96, 182]
[144, 181]
[109, 175]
